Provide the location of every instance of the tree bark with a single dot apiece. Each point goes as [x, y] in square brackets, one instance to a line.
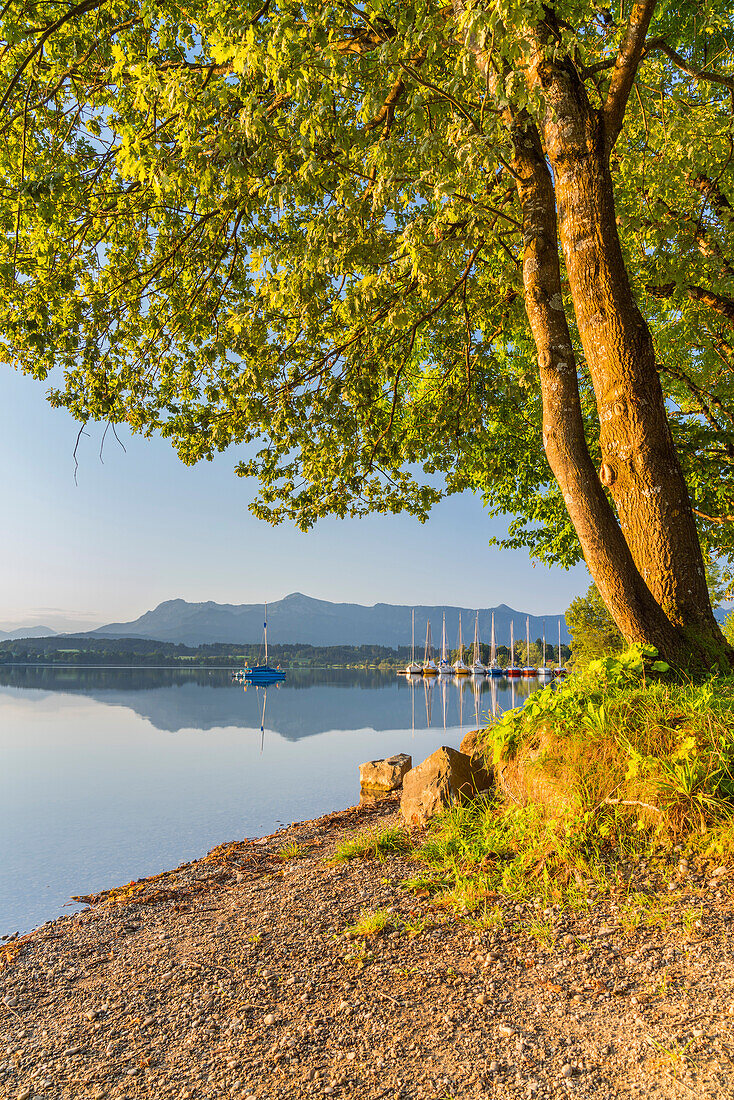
[606, 552]
[648, 564]
[640, 465]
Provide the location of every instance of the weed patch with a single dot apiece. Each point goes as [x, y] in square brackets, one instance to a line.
[371, 923]
[374, 844]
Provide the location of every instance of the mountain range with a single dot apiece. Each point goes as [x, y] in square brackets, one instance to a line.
[27, 632]
[301, 619]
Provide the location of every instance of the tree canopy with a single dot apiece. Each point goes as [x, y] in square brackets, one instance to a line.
[296, 228]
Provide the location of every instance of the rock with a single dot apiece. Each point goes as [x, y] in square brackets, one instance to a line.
[445, 777]
[471, 746]
[385, 775]
[482, 999]
[567, 1070]
[269, 1020]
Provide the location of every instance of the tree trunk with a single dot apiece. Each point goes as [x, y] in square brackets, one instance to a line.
[647, 564]
[640, 466]
[607, 554]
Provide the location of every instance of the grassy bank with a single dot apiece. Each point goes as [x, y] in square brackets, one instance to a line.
[617, 776]
[619, 767]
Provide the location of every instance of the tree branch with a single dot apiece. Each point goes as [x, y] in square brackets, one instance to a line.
[625, 68]
[78, 9]
[698, 74]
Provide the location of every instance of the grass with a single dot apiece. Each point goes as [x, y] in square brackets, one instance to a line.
[373, 844]
[617, 772]
[291, 851]
[371, 923]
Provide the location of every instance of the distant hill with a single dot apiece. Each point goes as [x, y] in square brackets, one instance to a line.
[27, 632]
[299, 618]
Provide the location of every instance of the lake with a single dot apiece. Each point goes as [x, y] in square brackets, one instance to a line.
[112, 774]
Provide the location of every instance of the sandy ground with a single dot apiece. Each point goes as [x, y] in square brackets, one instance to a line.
[232, 977]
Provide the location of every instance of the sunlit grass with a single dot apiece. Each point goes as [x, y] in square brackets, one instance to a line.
[374, 844]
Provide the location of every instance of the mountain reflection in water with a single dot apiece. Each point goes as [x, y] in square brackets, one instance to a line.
[308, 702]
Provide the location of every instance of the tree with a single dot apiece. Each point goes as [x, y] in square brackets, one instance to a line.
[329, 233]
[593, 630]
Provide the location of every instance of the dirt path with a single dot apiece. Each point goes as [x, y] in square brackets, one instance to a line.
[232, 977]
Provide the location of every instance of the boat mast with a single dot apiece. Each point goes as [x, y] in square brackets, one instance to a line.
[443, 638]
[428, 642]
[559, 643]
[543, 643]
[494, 647]
[476, 640]
[461, 644]
[527, 641]
[265, 626]
[412, 640]
[512, 644]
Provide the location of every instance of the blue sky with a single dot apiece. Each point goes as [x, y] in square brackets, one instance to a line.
[140, 528]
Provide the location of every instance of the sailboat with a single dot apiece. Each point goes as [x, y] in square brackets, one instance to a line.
[512, 669]
[477, 667]
[429, 665]
[444, 667]
[544, 672]
[460, 669]
[494, 669]
[528, 670]
[412, 669]
[560, 670]
[263, 674]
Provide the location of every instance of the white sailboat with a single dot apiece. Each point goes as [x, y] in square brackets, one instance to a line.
[512, 669]
[429, 665]
[544, 672]
[444, 667]
[560, 670]
[413, 669]
[494, 669]
[460, 669]
[528, 670]
[477, 668]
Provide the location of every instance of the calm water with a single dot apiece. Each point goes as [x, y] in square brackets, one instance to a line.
[112, 774]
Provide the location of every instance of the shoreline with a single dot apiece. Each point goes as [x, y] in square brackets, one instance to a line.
[233, 976]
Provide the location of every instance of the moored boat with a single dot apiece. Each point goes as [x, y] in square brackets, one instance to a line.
[461, 669]
[512, 670]
[477, 668]
[494, 669]
[444, 665]
[429, 665]
[544, 672]
[560, 670]
[528, 670]
[266, 673]
[413, 669]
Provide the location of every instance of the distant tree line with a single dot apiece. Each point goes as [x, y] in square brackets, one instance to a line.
[84, 650]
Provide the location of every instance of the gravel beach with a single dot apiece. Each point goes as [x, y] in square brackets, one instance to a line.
[233, 977]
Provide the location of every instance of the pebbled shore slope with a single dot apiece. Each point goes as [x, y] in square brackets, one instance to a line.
[232, 977]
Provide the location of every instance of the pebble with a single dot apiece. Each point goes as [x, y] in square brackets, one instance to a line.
[9, 1000]
[482, 1000]
[567, 1070]
[506, 1031]
[269, 1020]
[24, 1093]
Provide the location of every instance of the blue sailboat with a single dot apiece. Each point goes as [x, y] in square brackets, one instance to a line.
[263, 674]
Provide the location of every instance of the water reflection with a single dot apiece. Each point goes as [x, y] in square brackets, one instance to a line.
[307, 703]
